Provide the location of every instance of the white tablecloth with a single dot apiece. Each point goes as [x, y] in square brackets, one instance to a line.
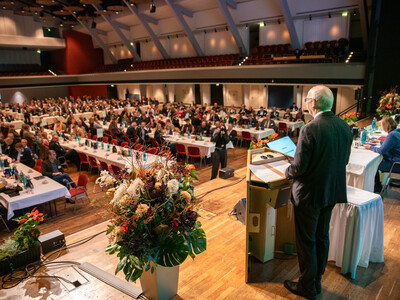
[257, 134]
[290, 125]
[17, 124]
[362, 167]
[356, 231]
[42, 193]
[108, 156]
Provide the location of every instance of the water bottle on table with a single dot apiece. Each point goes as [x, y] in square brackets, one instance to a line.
[374, 124]
[364, 137]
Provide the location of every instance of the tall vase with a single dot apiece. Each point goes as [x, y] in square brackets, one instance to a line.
[162, 284]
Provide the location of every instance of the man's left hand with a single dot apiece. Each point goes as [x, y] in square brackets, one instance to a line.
[367, 147]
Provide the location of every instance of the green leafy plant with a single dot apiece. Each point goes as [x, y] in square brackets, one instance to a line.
[152, 217]
[389, 103]
[9, 248]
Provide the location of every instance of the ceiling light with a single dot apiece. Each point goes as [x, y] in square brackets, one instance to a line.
[344, 14]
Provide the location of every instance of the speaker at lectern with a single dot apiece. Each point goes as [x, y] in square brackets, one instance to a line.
[269, 212]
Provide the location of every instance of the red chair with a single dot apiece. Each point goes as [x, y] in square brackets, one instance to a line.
[181, 150]
[138, 147]
[114, 142]
[38, 168]
[125, 144]
[246, 136]
[154, 143]
[194, 152]
[89, 135]
[116, 171]
[282, 127]
[152, 150]
[104, 166]
[94, 138]
[80, 191]
[39, 162]
[105, 139]
[84, 159]
[93, 163]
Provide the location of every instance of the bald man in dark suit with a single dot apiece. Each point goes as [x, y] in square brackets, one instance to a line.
[319, 182]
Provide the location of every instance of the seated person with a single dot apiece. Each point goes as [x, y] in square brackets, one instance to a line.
[132, 131]
[228, 119]
[231, 133]
[390, 150]
[243, 111]
[239, 121]
[262, 112]
[204, 129]
[143, 135]
[70, 155]
[287, 114]
[169, 127]
[58, 125]
[23, 155]
[252, 121]
[268, 122]
[294, 107]
[187, 127]
[274, 114]
[299, 116]
[52, 168]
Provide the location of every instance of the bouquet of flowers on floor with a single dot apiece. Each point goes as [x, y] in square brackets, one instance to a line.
[152, 216]
[262, 143]
[389, 103]
[351, 118]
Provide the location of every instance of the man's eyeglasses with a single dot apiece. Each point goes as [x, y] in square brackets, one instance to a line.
[308, 99]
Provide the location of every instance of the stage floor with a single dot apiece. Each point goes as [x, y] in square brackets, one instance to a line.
[218, 273]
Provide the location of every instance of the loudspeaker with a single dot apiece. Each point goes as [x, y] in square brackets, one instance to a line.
[152, 8]
[52, 241]
[226, 173]
[239, 210]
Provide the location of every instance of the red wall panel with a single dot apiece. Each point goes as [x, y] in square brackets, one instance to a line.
[89, 90]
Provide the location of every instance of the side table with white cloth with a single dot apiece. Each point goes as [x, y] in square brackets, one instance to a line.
[356, 231]
[257, 134]
[362, 167]
[292, 126]
[45, 190]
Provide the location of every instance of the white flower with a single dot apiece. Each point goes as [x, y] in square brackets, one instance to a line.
[105, 179]
[172, 187]
[162, 175]
[121, 190]
[136, 187]
[142, 209]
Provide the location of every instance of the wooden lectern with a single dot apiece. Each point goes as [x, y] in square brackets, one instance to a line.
[269, 213]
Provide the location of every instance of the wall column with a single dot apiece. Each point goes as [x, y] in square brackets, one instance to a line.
[246, 95]
[205, 94]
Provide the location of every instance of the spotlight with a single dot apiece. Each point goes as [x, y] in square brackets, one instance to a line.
[329, 15]
[310, 17]
[94, 25]
[152, 8]
[247, 26]
[354, 12]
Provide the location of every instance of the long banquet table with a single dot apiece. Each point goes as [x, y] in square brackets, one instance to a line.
[356, 231]
[45, 190]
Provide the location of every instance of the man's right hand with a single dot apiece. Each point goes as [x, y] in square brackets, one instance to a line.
[58, 173]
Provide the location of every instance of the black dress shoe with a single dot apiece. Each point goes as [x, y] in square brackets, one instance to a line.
[296, 288]
[70, 201]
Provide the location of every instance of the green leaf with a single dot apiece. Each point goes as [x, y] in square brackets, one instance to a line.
[173, 250]
[121, 264]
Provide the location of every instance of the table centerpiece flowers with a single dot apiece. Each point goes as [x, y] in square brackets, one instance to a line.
[152, 218]
[389, 103]
[351, 118]
[254, 144]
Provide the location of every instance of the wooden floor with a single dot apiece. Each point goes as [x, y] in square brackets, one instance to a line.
[217, 273]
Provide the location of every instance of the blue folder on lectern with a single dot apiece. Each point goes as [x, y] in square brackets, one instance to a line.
[284, 145]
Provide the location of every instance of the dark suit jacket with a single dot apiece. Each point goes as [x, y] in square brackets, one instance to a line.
[319, 166]
[47, 170]
[26, 158]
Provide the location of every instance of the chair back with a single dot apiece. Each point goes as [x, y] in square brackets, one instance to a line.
[154, 143]
[116, 170]
[114, 142]
[282, 126]
[94, 138]
[83, 180]
[92, 161]
[152, 150]
[89, 135]
[38, 168]
[39, 162]
[180, 148]
[105, 139]
[124, 144]
[193, 151]
[104, 166]
[138, 147]
[83, 157]
[246, 135]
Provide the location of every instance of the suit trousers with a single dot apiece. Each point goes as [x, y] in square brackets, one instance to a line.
[312, 241]
[219, 156]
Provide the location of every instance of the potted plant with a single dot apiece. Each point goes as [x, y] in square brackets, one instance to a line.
[351, 118]
[153, 226]
[23, 248]
[254, 144]
[389, 103]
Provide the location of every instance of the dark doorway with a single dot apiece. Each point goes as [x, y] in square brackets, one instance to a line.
[112, 92]
[197, 97]
[334, 92]
[217, 94]
[254, 37]
[280, 96]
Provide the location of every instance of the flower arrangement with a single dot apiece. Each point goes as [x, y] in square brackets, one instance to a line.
[25, 237]
[389, 103]
[351, 118]
[262, 143]
[152, 220]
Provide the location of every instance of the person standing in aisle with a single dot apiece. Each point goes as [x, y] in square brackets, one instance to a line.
[319, 182]
[221, 139]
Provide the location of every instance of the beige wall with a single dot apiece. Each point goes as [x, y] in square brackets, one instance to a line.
[156, 91]
[184, 93]
[233, 94]
[133, 89]
[258, 96]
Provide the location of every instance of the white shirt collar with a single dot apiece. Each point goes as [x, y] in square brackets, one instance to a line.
[320, 112]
